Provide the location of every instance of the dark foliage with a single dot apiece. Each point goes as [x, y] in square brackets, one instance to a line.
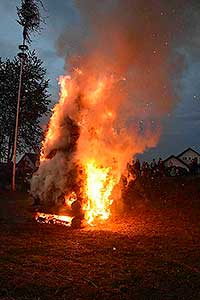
[34, 104]
[29, 17]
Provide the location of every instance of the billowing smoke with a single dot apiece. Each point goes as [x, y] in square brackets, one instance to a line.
[134, 39]
[124, 60]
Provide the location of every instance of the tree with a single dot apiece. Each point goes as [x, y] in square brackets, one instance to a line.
[29, 18]
[34, 104]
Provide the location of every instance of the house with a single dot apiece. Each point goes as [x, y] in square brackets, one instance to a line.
[184, 160]
[28, 163]
[188, 155]
[176, 162]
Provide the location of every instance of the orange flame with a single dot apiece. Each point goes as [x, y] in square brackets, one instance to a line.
[95, 103]
[99, 180]
[99, 185]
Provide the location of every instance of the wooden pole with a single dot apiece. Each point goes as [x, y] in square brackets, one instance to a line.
[16, 126]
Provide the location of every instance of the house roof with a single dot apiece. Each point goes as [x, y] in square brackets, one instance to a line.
[188, 149]
[180, 160]
[32, 156]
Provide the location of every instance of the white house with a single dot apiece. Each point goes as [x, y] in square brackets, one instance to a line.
[176, 162]
[188, 155]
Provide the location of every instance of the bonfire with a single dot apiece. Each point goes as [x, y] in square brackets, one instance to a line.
[85, 149]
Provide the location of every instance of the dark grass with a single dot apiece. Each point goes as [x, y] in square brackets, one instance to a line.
[151, 253]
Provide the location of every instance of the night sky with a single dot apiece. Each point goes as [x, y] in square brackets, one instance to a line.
[180, 126]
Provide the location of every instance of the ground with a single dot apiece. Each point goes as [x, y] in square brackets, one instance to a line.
[148, 253]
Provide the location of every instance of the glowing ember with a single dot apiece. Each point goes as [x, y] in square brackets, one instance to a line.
[53, 219]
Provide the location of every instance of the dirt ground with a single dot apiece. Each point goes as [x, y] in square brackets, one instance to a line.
[151, 253]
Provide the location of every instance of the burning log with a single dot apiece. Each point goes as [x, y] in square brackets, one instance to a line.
[74, 217]
[43, 218]
[53, 219]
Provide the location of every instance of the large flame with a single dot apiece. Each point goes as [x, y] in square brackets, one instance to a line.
[121, 84]
[99, 175]
[87, 131]
[98, 188]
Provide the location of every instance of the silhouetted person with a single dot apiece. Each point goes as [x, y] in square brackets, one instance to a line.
[137, 168]
[153, 168]
[194, 166]
[160, 167]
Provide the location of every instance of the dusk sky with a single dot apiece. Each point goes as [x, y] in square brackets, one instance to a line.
[180, 127]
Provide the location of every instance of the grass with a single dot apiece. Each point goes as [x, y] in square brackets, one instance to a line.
[150, 253]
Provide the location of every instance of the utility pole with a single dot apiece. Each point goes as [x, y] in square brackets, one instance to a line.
[22, 56]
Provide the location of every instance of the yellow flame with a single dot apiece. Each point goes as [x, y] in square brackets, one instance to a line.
[99, 177]
[99, 185]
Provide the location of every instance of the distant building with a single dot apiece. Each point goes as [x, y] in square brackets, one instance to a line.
[183, 160]
[188, 155]
[28, 163]
[173, 161]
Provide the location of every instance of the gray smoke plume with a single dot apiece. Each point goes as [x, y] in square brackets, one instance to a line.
[140, 42]
[141, 39]
[57, 174]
